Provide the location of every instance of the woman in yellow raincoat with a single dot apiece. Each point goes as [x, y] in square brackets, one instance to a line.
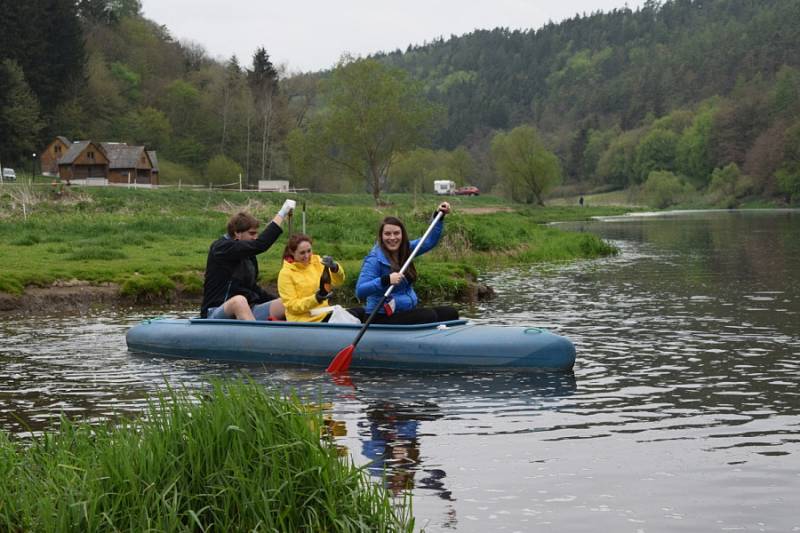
[300, 282]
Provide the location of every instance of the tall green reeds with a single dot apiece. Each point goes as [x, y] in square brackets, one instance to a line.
[234, 458]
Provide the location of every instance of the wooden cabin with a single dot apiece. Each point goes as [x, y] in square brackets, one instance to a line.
[129, 164]
[154, 160]
[53, 154]
[100, 163]
[84, 159]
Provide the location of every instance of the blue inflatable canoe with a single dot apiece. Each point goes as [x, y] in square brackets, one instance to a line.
[457, 344]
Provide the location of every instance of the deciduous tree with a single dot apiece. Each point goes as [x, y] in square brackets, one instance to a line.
[788, 179]
[656, 151]
[374, 113]
[231, 86]
[663, 189]
[147, 126]
[530, 170]
[461, 165]
[616, 165]
[223, 170]
[727, 185]
[301, 92]
[596, 144]
[766, 156]
[415, 171]
[693, 152]
[788, 176]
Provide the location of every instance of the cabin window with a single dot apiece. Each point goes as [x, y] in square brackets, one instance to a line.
[58, 149]
[90, 155]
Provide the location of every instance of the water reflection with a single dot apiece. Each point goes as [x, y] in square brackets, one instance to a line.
[398, 408]
[683, 412]
[661, 363]
[741, 256]
[400, 412]
[391, 443]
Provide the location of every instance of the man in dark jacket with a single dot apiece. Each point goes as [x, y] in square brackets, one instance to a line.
[231, 289]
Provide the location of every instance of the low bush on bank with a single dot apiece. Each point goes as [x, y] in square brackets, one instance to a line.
[234, 458]
[555, 247]
[145, 288]
[11, 285]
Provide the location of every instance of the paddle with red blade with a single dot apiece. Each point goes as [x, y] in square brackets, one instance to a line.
[343, 359]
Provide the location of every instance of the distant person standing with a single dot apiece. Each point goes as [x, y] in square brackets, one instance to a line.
[231, 289]
[580, 201]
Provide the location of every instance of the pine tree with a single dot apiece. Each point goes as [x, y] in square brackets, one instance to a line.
[45, 39]
[230, 86]
[20, 122]
[263, 82]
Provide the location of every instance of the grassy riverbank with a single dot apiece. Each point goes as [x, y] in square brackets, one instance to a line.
[152, 243]
[235, 458]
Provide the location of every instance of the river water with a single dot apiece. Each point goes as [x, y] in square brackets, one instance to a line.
[682, 414]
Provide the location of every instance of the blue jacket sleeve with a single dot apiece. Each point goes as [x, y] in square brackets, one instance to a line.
[369, 279]
[404, 301]
[432, 240]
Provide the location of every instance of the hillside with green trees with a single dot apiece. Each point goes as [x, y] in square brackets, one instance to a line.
[691, 102]
[704, 93]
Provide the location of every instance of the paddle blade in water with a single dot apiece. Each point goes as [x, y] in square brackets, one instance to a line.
[342, 360]
[342, 379]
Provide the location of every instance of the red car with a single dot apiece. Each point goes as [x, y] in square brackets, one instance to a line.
[468, 191]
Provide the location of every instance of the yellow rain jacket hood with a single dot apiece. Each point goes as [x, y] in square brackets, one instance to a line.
[298, 284]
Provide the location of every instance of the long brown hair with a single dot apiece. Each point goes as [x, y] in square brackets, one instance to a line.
[292, 244]
[402, 253]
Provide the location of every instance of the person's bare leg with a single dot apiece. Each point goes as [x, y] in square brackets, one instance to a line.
[238, 307]
[277, 310]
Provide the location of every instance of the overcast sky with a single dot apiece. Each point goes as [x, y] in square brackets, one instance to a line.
[312, 34]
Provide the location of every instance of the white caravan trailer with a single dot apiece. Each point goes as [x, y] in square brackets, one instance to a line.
[444, 187]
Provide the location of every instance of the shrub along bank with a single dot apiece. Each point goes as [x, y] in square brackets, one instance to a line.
[153, 243]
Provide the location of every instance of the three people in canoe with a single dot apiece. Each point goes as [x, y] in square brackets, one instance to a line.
[306, 280]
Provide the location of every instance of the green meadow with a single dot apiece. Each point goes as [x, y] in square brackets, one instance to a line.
[153, 243]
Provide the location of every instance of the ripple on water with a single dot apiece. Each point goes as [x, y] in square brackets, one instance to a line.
[682, 412]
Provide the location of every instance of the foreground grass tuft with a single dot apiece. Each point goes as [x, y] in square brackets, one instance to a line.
[237, 458]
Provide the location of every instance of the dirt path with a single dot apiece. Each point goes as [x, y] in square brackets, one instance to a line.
[58, 298]
[485, 210]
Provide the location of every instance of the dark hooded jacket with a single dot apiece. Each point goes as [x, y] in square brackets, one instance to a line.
[232, 269]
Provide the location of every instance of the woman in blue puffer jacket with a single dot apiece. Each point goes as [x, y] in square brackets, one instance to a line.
[381, 268]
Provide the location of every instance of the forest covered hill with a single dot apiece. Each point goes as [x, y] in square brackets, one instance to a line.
[681, 96]
[684, 86]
